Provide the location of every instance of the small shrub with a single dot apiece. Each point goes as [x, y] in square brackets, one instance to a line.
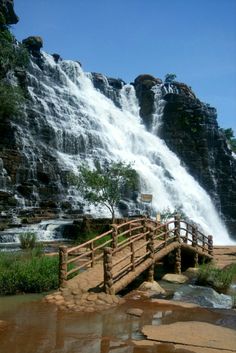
[27, 240]
[216, 278]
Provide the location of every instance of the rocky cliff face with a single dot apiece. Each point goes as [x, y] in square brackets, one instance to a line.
[190, 129]
[65, 121]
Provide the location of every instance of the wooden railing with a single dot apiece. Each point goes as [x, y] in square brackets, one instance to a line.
[123, 248]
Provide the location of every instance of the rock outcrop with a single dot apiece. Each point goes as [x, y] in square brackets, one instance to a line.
[190, 129]
[143, 86]
[7, 13]
[33, 44]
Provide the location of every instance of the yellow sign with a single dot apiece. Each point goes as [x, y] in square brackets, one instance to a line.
[146, 198]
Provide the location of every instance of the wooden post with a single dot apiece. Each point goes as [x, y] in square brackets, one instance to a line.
[177, 227]
[132, 255]
[194, 236]
[130, 230]
[107, 266]
[92, 254]
[151, 248]
[195, 259]
[63, 265]
[143, 222]
[210, 245]
[114, 236]
[166, 233]
[178, 260]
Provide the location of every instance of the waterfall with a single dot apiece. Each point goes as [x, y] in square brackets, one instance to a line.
[159, 105]
[82, 124]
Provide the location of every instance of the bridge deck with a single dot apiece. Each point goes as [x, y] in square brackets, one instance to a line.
[92, 279]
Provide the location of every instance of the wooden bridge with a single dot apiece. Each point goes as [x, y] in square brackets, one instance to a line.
[112, 260]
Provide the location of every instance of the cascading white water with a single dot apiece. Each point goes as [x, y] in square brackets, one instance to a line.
[92, 121]
[159, 105]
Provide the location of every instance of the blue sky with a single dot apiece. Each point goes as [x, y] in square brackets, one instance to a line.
[195, 39]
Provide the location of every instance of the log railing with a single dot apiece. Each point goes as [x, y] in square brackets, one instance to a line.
[123, 248]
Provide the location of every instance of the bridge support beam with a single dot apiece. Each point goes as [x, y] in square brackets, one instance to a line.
[178, 260]
[195, 259]
[150, 276]
[107, 263]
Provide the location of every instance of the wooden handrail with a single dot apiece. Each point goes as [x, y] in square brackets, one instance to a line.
[139, 233]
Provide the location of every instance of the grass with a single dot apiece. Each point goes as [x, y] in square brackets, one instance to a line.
[219, 279]
[27, 272]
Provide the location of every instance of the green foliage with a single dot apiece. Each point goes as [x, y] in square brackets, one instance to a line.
[27, 240]
[105, 184]
[169, 78]
[27, 273]
[12, 54]
[11, 99]
[216, 278]
[229, 134]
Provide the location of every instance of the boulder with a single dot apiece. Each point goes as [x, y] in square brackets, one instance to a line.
[56, 57]
[7, 13]
[191, 272]
[33, 44]
[174, 278]
[152, 286]
[135, 312]
[146, 77]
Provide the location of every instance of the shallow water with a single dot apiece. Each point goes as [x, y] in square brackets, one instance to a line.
[36, 327]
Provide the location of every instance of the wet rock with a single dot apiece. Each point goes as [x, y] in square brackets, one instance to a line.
[135, 312]
[200, 334]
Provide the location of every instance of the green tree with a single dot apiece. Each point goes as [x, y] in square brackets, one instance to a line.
[170, 78]
[105, 184]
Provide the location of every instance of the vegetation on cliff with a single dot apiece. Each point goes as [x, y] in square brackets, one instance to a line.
[14, 58]
[229, 134]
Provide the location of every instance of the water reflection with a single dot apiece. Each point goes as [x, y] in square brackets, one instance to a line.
[36, 327]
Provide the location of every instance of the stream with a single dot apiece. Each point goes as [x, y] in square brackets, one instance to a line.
[37, 327]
